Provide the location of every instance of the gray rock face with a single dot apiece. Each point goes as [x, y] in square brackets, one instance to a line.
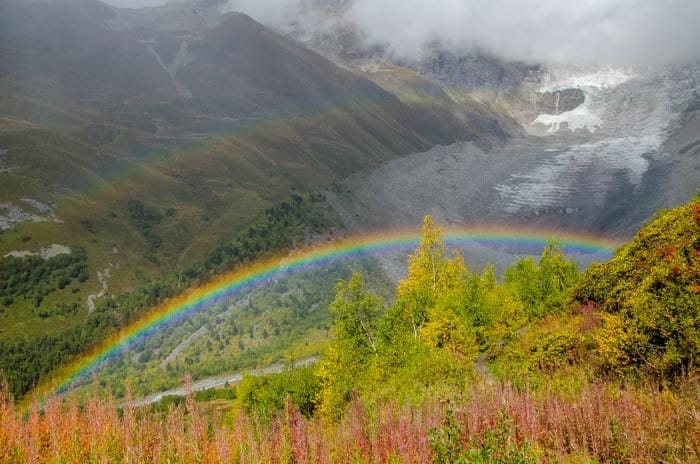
[560, 101]
[473, 69]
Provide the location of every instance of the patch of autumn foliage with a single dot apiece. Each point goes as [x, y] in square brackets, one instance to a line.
[649, 298]
[489, 421]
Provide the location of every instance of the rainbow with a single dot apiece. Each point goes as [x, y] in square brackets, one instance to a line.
[178, 308]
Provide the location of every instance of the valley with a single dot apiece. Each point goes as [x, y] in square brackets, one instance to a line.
[562, 175]
[88, 146]
[212, 191]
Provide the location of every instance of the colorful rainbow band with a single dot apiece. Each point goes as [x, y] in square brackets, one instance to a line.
[227, 285]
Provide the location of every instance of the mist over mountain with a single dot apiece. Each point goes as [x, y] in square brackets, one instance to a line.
[223, 117]
[621, 32]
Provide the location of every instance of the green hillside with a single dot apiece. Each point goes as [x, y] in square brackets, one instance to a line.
[29, 359]
[649, 298]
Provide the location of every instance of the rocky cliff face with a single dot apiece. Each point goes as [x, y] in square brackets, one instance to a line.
[560, 101]
[472, 69]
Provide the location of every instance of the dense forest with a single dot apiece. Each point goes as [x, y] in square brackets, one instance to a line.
[33, 277]
[543, 365]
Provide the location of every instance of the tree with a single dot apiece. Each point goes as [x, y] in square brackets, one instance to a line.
[424, 339]
[542, 287]
[430, 274]
[357, 312]
[429, 318]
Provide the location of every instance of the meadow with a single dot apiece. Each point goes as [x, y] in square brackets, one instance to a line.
[489, 422]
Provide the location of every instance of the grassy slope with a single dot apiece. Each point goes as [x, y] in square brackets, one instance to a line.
[216, 184]
[438, 106]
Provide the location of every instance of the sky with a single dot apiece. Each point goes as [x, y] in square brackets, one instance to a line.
[634, 32]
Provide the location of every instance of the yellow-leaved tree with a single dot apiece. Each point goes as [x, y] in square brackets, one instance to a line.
[430, 301]
[425, 339]
[357, 312]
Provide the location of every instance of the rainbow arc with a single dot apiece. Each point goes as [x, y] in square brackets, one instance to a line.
[232, 283]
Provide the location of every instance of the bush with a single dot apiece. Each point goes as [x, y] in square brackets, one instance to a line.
[649, 294]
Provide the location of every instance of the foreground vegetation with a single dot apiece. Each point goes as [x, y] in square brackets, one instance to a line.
[487, 423]
[546, 365]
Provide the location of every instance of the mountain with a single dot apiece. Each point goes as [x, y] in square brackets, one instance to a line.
[146, 137]
[188, 194]
[595, 150]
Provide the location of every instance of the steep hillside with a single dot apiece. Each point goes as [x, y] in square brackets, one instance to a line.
[203, 126]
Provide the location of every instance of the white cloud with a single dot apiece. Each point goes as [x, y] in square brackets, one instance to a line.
[593, 31]
[135, 3]
[278, 13]
[581, 31]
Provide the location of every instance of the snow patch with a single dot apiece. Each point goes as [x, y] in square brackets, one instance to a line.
[579, 118]
[182, 59]
[603, 91]
[604, 78]
[593, 84]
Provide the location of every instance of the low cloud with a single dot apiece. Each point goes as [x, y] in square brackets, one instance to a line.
[585, 31]
[135, 3]
[276, 13]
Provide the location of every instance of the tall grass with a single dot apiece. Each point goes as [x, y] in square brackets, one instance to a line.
[491, 422]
